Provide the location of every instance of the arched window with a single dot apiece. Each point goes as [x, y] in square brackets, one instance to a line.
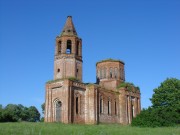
[104, 72]
[77, 48]
[58, 106]
[69, 47]
[109, 106]
[101, 104]
[110, 72]
[59, 47]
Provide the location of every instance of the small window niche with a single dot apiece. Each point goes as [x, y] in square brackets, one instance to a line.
[58, 70]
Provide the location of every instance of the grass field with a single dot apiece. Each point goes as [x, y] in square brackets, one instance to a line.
[24, 128]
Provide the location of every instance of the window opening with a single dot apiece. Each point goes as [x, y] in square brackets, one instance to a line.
[59, 47]
[68, 50]
[58, 70]
[109, 106]
[100, 73]
[110, 72]
[132, 111]
[115, 108]
[120, 73]
[127, 108]
[104, 72]
[115, 75]
[101, 104]
[77, 48]
[77, 111]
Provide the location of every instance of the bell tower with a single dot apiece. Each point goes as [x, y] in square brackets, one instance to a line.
[68, 53]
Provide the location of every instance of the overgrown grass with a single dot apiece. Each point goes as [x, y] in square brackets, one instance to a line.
[25, 128]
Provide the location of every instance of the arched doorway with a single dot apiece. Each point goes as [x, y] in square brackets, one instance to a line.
[58, 111]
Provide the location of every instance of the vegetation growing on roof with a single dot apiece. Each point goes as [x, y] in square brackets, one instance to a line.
[74, 79]
[69, 78]
[91, 84]
[111, 60]
[53, 81]
[128, 86]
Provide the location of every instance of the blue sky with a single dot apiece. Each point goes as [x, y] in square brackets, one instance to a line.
[145, 34]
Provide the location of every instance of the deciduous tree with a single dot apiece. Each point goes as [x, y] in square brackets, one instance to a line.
[165, 109]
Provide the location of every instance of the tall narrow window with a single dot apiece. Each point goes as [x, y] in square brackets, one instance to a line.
[120, 73]
[123, 76]
[137, 102]
[77, 48]
[68, 49]
[100, 73]
[110, 72]
[115, 109]
[77, 109]
[115, 73]
[97, 74]
[59, 47]
[101, 104]
[104, 72]
[109, 106]
[132, 111]
[127, 108]
[132, 106]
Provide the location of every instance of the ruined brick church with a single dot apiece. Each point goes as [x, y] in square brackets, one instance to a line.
[69, 100]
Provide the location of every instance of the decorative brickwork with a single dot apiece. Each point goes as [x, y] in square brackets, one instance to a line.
[68, 100]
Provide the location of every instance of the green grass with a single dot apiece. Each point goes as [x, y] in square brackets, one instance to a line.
[24, 128]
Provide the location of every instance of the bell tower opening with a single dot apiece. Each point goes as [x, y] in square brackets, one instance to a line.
[77, 48]
[69, 47]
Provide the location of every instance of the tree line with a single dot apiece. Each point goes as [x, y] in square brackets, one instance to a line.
[16, 113]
